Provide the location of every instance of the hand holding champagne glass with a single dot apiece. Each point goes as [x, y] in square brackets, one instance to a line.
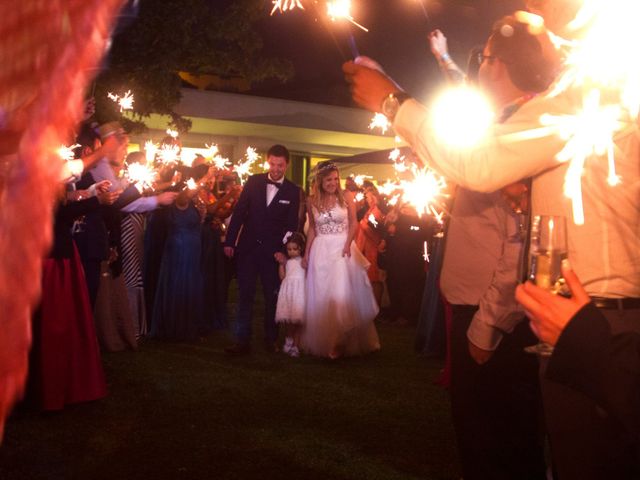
[547, 250]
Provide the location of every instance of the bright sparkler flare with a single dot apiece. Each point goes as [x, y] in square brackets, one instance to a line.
[220, 162]
[66, 153]
[372, 219]
[169, 154]
[243, 169]
[125, 102]
[610, 86]
[212, 150]
[462, 117]
[342, 9]
[191, 184]
[359, 197]
[172, 133]
[381, 122]
[141, 175]
[588, 133]
[423, 191]
[359, 179]
[284, 5]
[150, 151]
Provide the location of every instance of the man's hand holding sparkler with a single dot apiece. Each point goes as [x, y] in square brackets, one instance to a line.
[369, 84]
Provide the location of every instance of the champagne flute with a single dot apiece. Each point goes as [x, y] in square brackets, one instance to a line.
[547, 250]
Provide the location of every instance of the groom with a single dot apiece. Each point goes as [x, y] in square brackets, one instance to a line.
[266, 210]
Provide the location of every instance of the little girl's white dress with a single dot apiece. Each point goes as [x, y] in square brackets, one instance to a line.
[291, 298]
[340, 302]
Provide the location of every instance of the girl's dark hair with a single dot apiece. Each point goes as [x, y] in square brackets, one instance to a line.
[299, 239]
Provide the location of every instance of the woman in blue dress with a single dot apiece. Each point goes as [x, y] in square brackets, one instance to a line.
[178, 304]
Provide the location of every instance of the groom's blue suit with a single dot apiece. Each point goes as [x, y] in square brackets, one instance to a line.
[256, 232]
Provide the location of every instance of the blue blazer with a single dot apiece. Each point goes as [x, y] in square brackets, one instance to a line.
[258, 225]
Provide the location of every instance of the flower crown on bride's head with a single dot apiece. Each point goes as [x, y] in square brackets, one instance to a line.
[326, 165]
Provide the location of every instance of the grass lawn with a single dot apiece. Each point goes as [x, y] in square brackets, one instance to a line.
[186, 411]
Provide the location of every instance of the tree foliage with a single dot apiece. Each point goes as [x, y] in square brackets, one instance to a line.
[215, 37]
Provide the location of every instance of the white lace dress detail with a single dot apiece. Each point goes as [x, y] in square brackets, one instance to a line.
[340, 303]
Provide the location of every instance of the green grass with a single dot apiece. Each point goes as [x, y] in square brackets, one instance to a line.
[186, 411]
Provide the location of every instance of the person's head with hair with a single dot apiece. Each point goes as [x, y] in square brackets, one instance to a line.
[514, 62]
[88, 139]
[372, 196]
[136, 157]
[326, 183]
[295, 245]
[278, 160]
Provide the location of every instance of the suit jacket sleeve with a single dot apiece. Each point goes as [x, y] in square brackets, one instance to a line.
[293, 219]
[604, 367]
[239, 214]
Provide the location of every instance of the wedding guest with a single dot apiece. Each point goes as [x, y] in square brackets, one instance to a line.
[178, 305]
[340, 303]
[66, 367]
[368, 237]
[291, 296]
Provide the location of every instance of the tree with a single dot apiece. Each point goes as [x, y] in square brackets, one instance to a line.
[216, 37]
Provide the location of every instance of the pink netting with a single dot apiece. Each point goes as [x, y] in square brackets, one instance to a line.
[50, 50]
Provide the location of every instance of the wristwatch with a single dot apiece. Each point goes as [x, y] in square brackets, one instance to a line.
[391, 104]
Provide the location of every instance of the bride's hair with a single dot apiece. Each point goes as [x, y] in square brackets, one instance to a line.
[323, 169]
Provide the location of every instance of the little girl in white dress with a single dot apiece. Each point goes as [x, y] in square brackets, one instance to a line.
[291, 298]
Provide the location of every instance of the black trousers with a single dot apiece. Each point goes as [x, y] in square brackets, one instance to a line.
[586, 444]
[251, 265]
[496, 407]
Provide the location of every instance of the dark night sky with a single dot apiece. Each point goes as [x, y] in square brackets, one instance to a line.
[397, 39]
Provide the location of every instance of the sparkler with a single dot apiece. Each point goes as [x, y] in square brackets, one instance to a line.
[338, 9]
[66, 153]
[191, 184]
[169, 154]
[284, 5]
[359, 179]
[425, 253]
[243, 169]
[172, 133]
[423, 191]
[141, 175]
[372, 219]
[125, 102]
[380, 121]
[359, 197]
[462, 117]
[610, 86]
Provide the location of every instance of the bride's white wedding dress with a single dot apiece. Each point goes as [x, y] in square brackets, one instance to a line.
[340, 303]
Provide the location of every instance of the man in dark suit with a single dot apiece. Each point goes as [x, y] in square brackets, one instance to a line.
[266, 210]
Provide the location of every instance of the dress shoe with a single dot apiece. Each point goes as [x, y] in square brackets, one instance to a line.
[238, 349]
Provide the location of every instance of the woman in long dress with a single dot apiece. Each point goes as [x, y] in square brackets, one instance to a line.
[340, 303]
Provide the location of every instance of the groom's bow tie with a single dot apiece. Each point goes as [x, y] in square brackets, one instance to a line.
[275, 184]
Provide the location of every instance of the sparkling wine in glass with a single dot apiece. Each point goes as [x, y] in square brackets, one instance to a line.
[547, 250]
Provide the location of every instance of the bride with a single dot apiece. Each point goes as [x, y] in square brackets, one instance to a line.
[340, 303]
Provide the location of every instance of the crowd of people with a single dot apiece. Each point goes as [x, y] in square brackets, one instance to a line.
[510, 176]
[130, 263]
[127, 264]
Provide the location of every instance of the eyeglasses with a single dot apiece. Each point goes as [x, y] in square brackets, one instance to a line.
[481, 57]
